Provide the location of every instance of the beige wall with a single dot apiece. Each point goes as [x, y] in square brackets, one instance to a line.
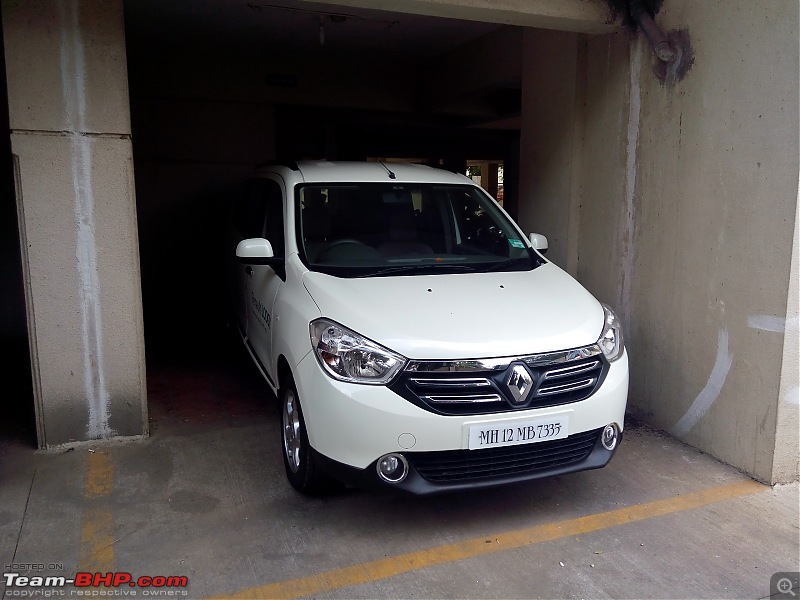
[688, 204]
[70, 136]
[717, 175]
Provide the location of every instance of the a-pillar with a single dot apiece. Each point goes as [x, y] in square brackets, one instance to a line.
[70, 137]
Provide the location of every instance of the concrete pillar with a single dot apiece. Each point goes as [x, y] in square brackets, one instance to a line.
[786, 458]
[489, 178]
[511, 183]
[548, 147]
[70, 137]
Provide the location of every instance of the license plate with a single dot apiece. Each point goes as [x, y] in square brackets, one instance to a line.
[514, 433]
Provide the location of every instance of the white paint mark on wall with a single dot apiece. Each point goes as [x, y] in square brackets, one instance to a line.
[73, 86]
[786, 326]
[711, 391]
[627, 254]
[792, 396]
[772, 323]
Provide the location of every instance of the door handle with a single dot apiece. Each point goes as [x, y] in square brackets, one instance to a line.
[249, 270]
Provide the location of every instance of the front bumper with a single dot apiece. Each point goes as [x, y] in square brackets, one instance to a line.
[514, 465]
[350, 426]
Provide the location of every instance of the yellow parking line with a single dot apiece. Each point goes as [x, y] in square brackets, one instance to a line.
[99, 475]
[489, 544]
[97, 533]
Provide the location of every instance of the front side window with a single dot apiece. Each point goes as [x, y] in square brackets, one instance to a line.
[363, 230]
[273, 229]
[249, 212]
[259, 213]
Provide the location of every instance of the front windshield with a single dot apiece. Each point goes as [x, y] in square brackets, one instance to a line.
[363, 230]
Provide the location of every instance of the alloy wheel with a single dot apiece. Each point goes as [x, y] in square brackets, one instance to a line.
[291, 430]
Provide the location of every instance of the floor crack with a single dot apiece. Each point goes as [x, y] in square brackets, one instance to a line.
[22, 524]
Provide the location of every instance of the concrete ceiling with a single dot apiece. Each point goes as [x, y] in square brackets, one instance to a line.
[453, 63]
[294, 26]
[468, 66]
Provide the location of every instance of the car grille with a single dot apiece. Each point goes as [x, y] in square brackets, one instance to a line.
[467, 465]
[483, 389]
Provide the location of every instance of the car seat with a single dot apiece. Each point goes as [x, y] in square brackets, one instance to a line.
[403, 236]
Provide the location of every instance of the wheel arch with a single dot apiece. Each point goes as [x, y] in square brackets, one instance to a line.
[284, 372]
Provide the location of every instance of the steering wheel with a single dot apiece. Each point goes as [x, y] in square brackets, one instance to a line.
[335, 244]
[490, 239]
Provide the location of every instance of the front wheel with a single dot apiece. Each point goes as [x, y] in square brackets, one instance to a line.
[301, 470]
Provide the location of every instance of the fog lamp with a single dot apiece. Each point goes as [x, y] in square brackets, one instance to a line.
[392, 468]
[609, 437]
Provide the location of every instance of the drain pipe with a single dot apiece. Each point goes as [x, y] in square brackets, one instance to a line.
[658, 40]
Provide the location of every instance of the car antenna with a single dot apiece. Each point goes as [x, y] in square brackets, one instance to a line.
[388, 170]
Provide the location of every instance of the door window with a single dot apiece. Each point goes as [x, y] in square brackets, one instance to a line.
[273, 230]
[260, 213]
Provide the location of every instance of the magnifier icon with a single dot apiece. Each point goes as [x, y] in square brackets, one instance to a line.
[785, 586]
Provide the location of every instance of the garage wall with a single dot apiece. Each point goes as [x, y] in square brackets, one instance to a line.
[680, 204]
[549, 148]
[610, 138]
[687, 200]
[712, 228]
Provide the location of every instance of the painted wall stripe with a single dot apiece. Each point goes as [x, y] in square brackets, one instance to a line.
[404, 563]
[73, 89]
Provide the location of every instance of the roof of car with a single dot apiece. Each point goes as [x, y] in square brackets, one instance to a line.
[331, 172]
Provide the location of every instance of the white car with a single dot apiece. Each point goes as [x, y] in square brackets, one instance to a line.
[417, 340]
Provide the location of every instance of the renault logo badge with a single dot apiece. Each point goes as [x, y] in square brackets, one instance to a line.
[519, 384]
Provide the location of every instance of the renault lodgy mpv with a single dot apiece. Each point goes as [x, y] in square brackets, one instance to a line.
[416, 338]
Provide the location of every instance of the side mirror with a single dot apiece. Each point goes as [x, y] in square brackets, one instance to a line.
[256, 251]
[539, 242]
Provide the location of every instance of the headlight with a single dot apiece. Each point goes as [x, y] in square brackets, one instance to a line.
[610, 341]
[347, 356]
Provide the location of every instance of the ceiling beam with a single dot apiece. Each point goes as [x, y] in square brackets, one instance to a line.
[584, 16]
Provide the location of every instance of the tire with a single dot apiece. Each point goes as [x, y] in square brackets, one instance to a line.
[301, 470]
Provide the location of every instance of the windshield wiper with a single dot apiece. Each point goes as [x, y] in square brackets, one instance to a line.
[509, 263]
[417, 268]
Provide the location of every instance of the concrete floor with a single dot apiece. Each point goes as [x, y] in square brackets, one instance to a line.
[205, 497]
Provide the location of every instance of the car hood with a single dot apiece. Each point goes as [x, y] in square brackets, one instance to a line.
[472, 315]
